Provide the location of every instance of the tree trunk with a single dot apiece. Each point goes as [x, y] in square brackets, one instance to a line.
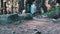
[21, 5]
[5, 12]
[2, 6]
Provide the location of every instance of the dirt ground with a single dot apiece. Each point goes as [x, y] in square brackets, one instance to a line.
[26, 27]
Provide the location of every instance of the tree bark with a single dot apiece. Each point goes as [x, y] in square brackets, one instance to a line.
[2, 6]
[5, 12]
[21, 5]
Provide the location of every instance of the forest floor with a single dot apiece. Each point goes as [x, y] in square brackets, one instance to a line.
[27, 26]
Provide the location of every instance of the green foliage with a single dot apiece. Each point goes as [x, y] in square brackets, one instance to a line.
[51, 11]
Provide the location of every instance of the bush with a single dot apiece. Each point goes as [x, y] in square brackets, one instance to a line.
[53, 13]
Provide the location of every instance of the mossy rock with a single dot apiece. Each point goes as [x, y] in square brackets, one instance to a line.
[9, 18]
[26, 16]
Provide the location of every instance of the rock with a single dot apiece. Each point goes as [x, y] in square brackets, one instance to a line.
[26, 16]
[9, 18]
[14, 17]
[53, 15]
[6, 32]
[37, 32]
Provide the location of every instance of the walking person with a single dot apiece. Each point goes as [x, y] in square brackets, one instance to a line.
[33, 8]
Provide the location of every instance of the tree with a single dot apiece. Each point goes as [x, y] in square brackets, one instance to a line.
[2, 6]
[43, 6]
[21, 5]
